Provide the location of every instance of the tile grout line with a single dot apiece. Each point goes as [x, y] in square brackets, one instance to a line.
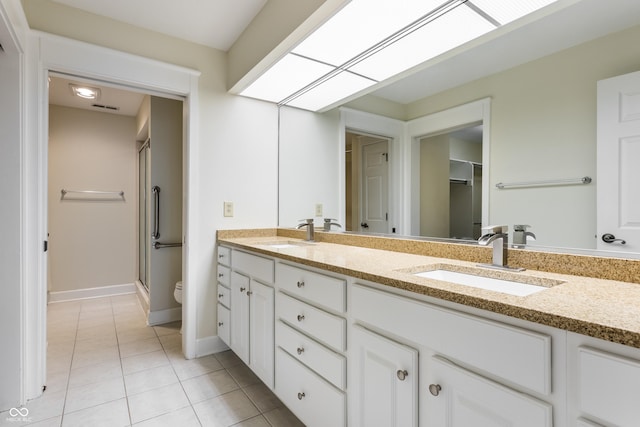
[124, 384]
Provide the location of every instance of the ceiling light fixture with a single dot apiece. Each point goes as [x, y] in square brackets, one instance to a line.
[85, 92]
[369, 41]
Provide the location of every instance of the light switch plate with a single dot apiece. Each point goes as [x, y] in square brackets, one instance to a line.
[228, 209]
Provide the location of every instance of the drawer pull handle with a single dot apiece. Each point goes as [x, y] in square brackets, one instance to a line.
[434, 389]
[243, 289]
[402, 374]
[220, 295]
[220, 256]
[249, 293]
[300, 350]
[220, 274]
[301, 396]
[220, 323]
[301, 284]
[300, 317]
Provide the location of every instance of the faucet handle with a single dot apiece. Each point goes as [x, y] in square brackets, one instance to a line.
[495, 229]
[520, 227]
[329, 219]
[306, 220]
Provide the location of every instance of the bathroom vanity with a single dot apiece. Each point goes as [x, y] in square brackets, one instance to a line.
[356, 335]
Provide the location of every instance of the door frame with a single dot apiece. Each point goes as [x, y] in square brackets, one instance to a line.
[67, 56]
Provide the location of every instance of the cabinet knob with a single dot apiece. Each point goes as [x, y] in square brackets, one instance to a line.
[300, 350]
[220, 256]
[301, 396]
[402, 374]
[249, 293]
[243, 289]
[300, 317]
[220, 323]
[220, 274]
[434, 389]
[301, 284]
[220, 295]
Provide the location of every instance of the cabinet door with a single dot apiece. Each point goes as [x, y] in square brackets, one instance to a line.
[240, 316]
[456, 397]
[384, 377]
[223, 324]
[261, 331]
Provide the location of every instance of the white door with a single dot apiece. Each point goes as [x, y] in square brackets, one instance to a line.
[261, 331]
[375, 188]
[384, 381]
[618, 156]
[239, 321]
[456, 397]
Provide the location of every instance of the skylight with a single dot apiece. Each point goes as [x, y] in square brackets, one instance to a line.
[369, 41]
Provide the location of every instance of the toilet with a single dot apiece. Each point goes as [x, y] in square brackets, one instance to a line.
[177, 293]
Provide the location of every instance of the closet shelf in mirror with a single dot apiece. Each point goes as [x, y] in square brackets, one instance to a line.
[572, 181]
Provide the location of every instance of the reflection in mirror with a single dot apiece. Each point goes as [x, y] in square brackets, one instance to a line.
[451, 184]
[366, 183]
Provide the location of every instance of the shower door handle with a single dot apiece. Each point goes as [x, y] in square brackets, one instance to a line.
[156, 212]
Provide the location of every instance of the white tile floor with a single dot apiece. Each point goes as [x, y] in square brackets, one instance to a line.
[107, 368]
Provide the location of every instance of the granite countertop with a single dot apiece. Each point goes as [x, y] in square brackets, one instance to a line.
[600, 308]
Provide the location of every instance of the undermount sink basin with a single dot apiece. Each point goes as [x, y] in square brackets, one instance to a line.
[506, 286]
[284, 244]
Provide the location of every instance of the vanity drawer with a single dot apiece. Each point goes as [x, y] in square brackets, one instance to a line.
[321, 325]
[224, 330]
[314, 401]
[330, 365]
[318, 288]
[608, 386]
[224, 296]
[255, 266]
[224, 275]
[511, 353]
[224, 255]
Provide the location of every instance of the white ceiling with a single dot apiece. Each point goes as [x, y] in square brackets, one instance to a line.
[213, 23]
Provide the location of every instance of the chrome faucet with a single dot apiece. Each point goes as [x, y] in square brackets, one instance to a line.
[520, 235]
[309, 224]
[498, 236]
[328, 224]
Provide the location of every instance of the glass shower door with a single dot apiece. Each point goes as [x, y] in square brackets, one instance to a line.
[144, 232]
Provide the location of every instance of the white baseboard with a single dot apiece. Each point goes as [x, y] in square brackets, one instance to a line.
[209, 345]
[102, 291]
[160, 317]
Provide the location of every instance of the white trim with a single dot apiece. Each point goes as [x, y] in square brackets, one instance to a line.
[48, 52]
[161, 317]
[101, 291]
[210, 345]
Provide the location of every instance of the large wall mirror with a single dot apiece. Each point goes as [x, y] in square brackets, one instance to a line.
[533, 121]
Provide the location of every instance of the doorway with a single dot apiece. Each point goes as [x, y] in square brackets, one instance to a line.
[451, 183]
[366, 183]
[101, 161]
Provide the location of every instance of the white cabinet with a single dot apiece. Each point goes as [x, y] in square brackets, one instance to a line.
[608, 387]
[455, 397]
[240, 316]
[224, 330]
[261, 331]
[224, 294]
[251, 313]
[384, 381]
[311, 340]
[307, 395]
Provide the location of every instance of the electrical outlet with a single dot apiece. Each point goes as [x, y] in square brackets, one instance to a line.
[228, 208]
[318, 209]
